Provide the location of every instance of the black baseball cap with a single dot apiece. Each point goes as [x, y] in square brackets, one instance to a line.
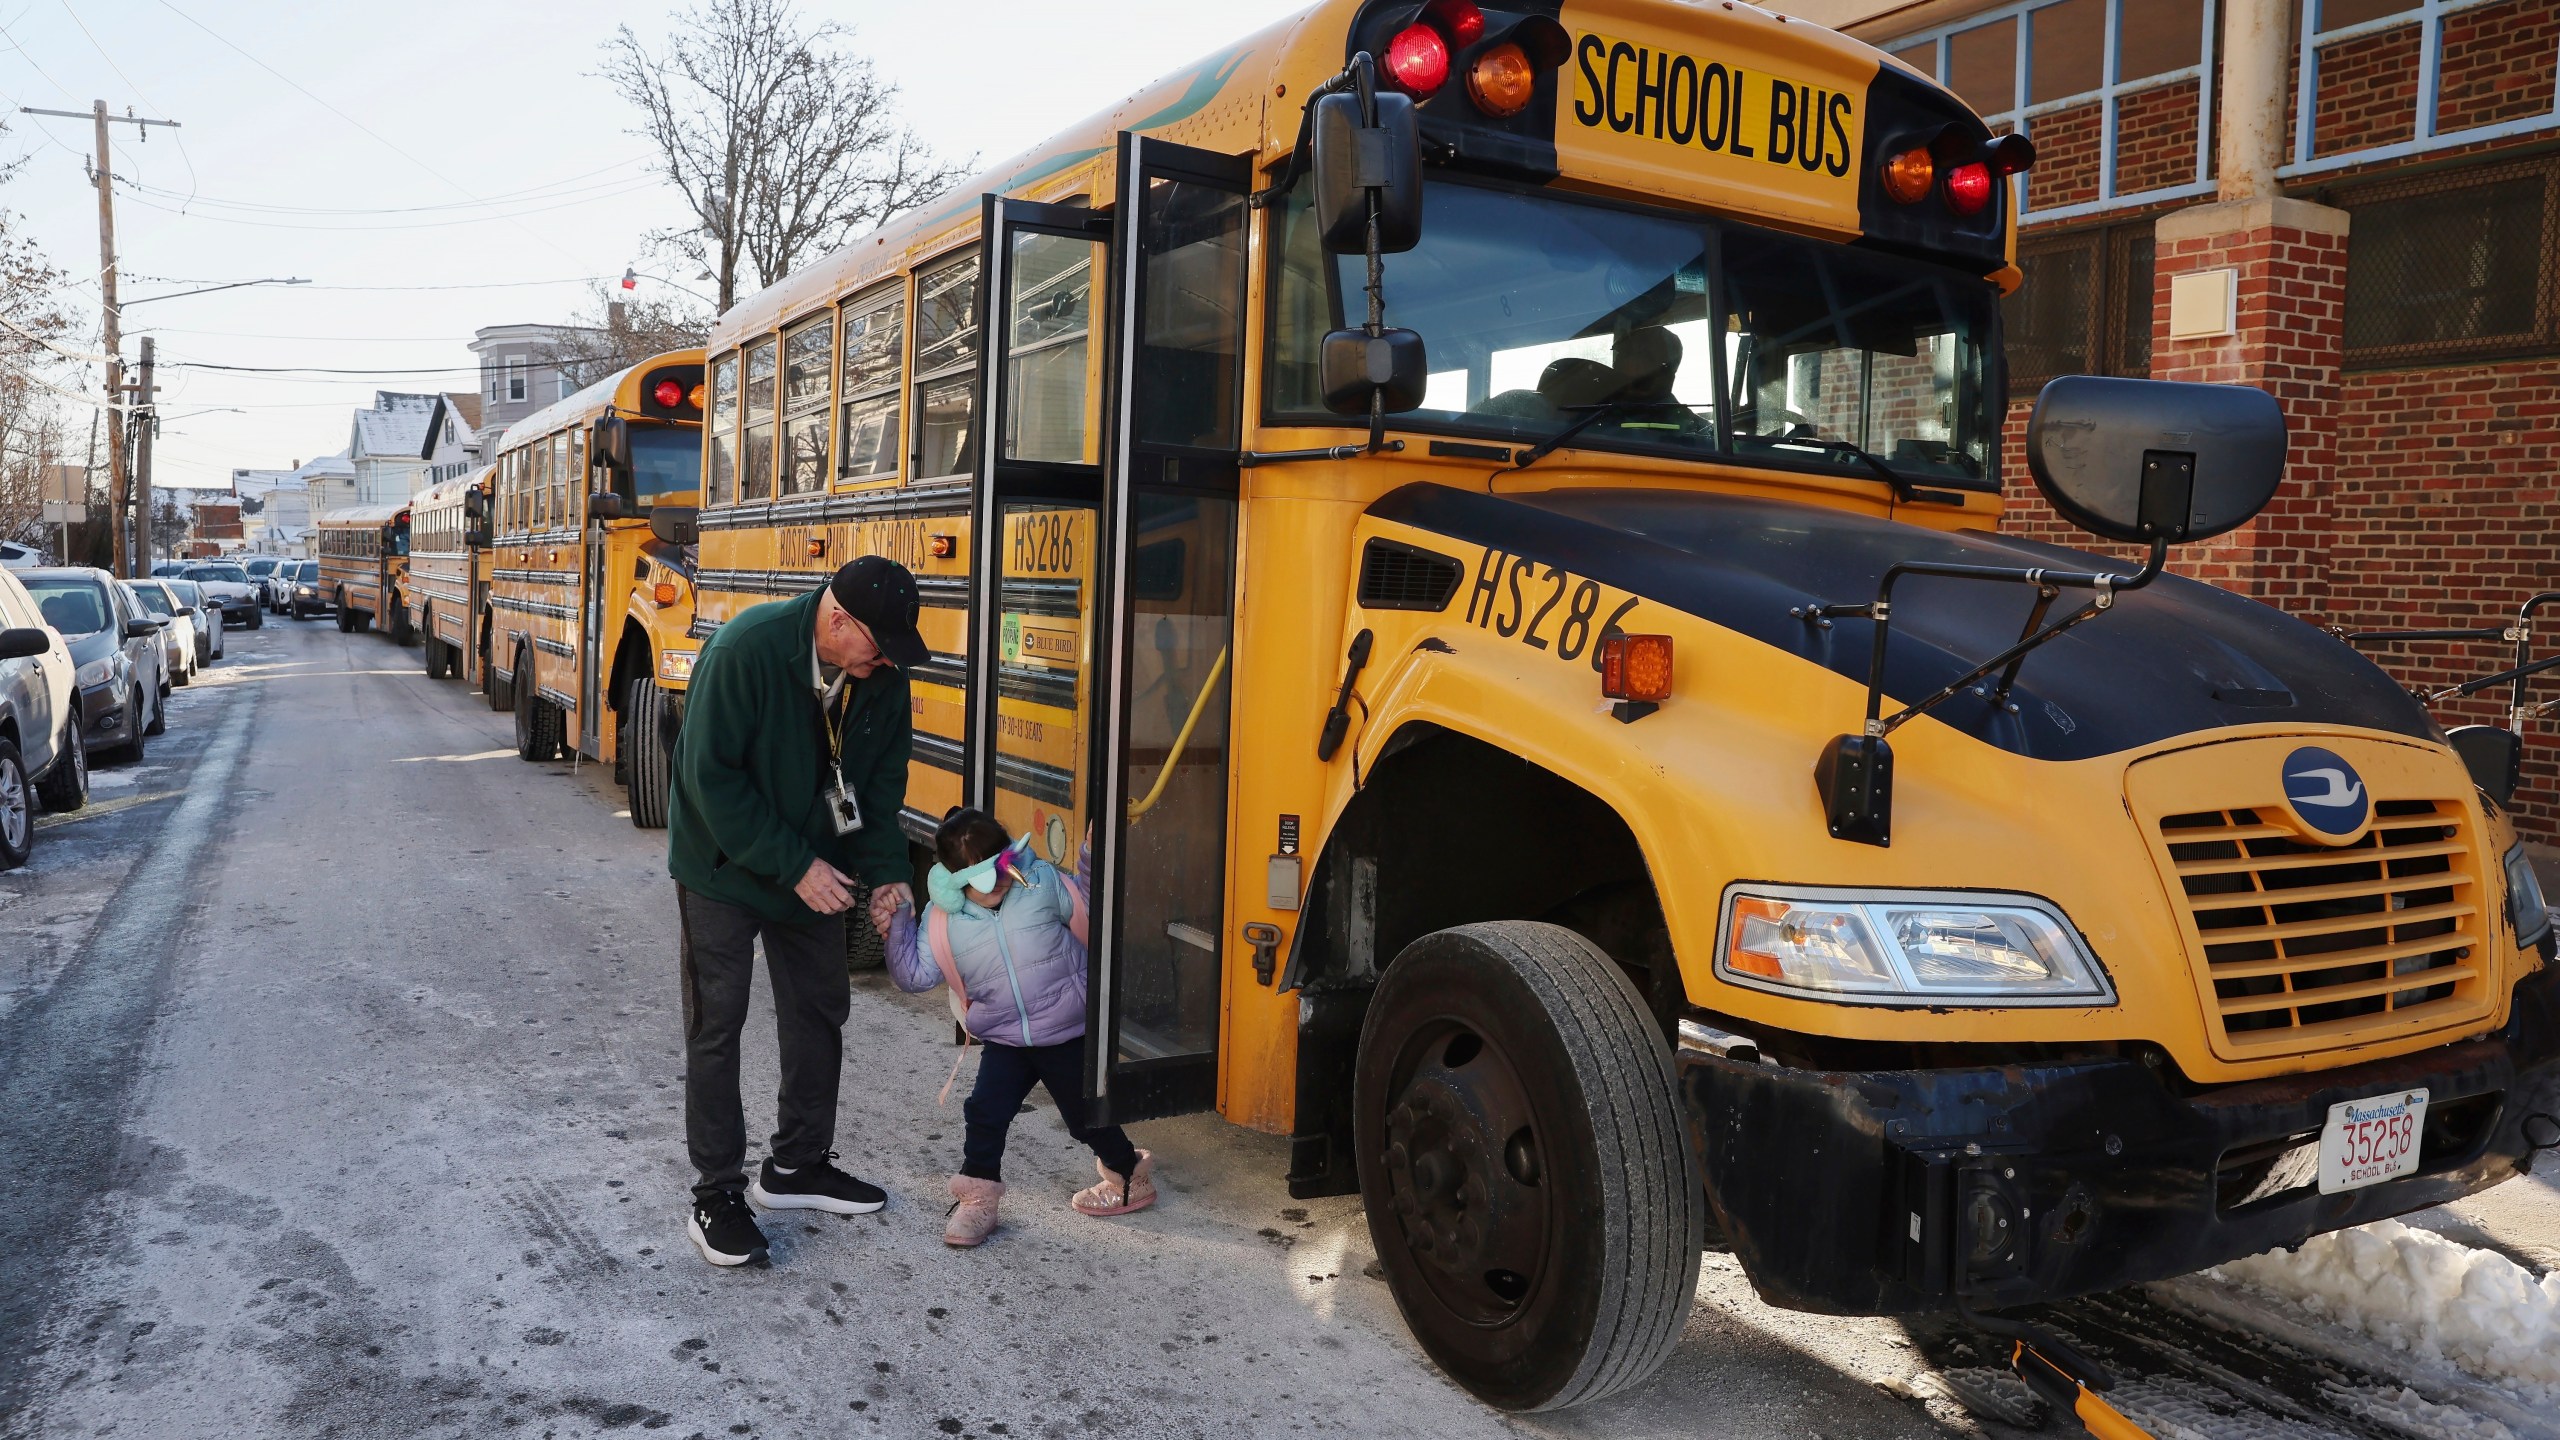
[879, 592]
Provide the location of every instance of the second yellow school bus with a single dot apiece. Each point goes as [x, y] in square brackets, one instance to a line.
[1464, 680]
[449, 575]
[591, 584]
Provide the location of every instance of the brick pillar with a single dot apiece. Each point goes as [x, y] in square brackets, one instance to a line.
[2288, 267]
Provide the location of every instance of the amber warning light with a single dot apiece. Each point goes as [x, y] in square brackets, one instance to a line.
[1635, 671]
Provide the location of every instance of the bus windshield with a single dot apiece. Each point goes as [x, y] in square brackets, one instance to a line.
[1540, 310]
[663, 460]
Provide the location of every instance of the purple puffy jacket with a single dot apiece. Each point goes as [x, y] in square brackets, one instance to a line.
[1023, 963]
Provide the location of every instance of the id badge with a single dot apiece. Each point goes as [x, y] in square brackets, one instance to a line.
[843, 809]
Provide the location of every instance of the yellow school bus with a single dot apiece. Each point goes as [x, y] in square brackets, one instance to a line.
[1490, 515]
[449, 575]
[364, 563]
[591, 586]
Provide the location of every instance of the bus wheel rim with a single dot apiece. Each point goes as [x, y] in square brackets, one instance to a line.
[1464, 1166]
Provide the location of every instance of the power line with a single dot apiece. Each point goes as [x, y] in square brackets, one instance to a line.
[547, 191]
[551, 360]
[629, 189]
[479, 285]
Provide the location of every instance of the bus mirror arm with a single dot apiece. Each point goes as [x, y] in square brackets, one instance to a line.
[1855, 772]
[1337, 721]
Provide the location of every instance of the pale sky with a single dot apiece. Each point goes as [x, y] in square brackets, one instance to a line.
[412, 114]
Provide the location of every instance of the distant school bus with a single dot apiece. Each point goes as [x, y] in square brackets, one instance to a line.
[1488, 515]
[449, 575]
[364, 563]
[591, 586]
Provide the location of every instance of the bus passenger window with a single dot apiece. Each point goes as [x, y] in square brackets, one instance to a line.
[563, 514]
[722, 436]
[872, 350]
[1050, 319]
[756, 479]
[806, 355]
[946, 369]
[578, 478]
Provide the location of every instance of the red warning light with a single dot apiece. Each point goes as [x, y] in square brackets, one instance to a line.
[1418, 61]
[1969, 188]
[668, 393]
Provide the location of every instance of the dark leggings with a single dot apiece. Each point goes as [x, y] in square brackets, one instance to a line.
[1006, 1074]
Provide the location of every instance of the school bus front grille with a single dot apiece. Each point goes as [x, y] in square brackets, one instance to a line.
[2311, 946]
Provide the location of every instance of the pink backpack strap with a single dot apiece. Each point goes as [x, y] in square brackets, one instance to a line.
[937, 935]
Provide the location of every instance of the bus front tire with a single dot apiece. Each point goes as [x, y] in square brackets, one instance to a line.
[537, 721]
[1528, 1181]
[434, 653]
[396, 623]
[346, 619]
[646, 753]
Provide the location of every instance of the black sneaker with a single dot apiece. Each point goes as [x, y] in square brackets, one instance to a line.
[725, 1232]
[814, 1187]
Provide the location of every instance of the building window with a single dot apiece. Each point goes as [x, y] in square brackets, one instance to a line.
[2084, 307]
[2450, 268]
[515, 377]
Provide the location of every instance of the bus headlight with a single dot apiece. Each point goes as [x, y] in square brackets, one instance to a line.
[1885, 947]
[676, 665]
[2525, 905]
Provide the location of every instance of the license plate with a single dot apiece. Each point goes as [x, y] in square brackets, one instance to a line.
[2369, 1141]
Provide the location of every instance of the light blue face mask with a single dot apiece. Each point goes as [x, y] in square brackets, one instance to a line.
[950, 891]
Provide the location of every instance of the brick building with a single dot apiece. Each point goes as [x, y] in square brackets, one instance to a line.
[2372, 236]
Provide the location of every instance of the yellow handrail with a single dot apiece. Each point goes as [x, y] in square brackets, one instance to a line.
[1199, 703]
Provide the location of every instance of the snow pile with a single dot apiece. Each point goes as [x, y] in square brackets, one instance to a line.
[2423, 1294]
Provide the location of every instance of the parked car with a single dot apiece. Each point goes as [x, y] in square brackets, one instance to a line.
[42, 759]
[180, 631]
[14, 556]
[116, 651]
[308, 597]
[277, 588]
[259, 568]
[229, 588]
[170, 567]
[208, 637]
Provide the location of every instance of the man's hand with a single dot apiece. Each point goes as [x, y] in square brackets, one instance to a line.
[825, 889]
[886, 902]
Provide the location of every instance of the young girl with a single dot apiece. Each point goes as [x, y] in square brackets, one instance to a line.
[1007, 931]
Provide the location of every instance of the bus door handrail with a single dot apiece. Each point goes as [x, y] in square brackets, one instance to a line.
[1182, 740]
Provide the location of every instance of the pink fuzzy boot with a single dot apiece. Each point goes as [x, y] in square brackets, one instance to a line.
[973, 1213]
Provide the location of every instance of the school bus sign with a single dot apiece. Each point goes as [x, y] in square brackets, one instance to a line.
[1691, 120]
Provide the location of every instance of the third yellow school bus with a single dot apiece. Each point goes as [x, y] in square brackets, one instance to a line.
[590, 624]
[1561, 751]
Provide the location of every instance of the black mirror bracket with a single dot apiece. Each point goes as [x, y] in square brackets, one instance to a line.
[1855, 772]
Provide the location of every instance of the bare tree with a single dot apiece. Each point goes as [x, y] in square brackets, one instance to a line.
[782, 142]
[609, 333]
[34, 370]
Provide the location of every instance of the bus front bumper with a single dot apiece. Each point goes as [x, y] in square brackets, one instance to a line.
[1895, 1191]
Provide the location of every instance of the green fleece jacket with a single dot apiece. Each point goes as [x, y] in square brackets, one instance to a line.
[744, 816]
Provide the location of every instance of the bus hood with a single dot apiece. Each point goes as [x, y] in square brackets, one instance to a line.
[2173, 658]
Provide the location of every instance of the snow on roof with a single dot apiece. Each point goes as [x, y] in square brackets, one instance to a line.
[396, 425]
[327, 467]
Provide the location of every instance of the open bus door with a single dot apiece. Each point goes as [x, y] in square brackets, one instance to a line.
[1114, 562]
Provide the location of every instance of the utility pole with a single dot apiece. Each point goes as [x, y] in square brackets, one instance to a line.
[146, 419]
[103, 171]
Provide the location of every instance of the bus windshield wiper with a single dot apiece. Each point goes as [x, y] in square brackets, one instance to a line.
[1599, 412]
[1902, 488]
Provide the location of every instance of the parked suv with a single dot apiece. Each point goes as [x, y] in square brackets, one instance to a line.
[231, 590]
[42, 760]
[115, 648]
[208, 636]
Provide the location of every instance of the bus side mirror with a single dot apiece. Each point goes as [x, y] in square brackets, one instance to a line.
[475, 504]
[1354, 161]
[2494, 757]
[604, 505]
[673, 524]
[2144, 460]
[612, 448]
[1357, 367]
